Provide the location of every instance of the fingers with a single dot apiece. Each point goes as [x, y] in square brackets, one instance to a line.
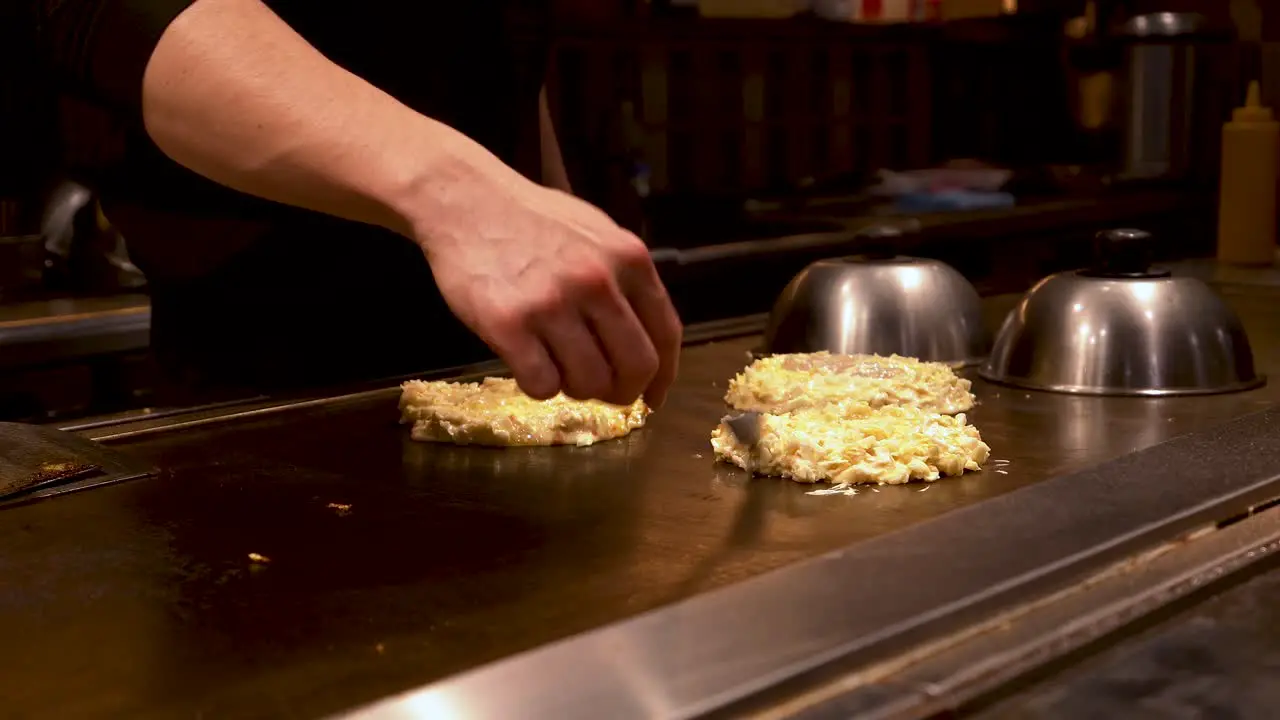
[634, 329]
[582, 311]
[584, 370]
[535, 371]
[652, 306]
[531, 363]
[631, 354]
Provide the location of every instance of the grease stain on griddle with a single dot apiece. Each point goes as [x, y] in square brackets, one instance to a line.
[60, 471]
[46, 473]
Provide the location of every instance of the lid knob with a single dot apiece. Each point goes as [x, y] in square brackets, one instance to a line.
[1124, 253]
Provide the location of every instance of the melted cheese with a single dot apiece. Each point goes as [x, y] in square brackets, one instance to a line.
[782, 383]
[851, 442]
[495, 412]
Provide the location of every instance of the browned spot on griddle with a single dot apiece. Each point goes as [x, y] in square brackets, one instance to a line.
[58, 471]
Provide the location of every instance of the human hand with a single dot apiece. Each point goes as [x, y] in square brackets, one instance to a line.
[568, 299]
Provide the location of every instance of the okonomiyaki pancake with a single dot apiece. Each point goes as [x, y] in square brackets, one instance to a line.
[495, 412]
[783, 383]
[849, 443]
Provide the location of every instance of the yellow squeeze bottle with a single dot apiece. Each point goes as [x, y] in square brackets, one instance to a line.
[1247, 200]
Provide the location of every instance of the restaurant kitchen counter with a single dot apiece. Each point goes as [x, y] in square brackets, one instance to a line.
[72, 356]
[1216, 658]
[43, 331]
[303, 559]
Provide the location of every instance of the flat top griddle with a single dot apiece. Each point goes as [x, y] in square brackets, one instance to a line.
[383, 564]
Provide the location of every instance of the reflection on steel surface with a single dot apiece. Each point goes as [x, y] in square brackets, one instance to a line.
[883, 305]
[562, 467]
[1086, 335]
[1123, 328]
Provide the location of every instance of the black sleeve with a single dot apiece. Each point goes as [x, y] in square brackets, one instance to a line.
[101, 47]
[28, 113]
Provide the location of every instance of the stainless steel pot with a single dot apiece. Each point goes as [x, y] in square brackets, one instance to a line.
[881, 303]
[1160, 86]
[1123, 327]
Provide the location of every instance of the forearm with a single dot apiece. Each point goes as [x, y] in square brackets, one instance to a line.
[554, 173]
[232, 93]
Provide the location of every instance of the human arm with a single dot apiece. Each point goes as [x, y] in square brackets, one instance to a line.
[569, 300]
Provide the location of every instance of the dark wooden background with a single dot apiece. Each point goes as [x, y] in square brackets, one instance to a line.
[718, 108]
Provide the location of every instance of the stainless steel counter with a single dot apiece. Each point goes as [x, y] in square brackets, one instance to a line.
[632, 579]
[60, 331]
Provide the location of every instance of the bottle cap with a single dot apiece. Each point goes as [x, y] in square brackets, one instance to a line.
[1253, 109]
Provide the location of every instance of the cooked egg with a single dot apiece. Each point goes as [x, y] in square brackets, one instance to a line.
[496, 412]
[782, 383]
[851, 442]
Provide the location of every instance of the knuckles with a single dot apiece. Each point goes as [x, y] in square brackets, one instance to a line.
[637, 369]
[632, 259]
[589, 384]
[523, 314]
[592, 280]
[609, 265]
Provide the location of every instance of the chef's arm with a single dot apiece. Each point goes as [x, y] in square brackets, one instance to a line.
[568, 299]
[554, 173]
[229, 90]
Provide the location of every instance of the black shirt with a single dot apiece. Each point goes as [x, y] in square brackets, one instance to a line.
[253, 296]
